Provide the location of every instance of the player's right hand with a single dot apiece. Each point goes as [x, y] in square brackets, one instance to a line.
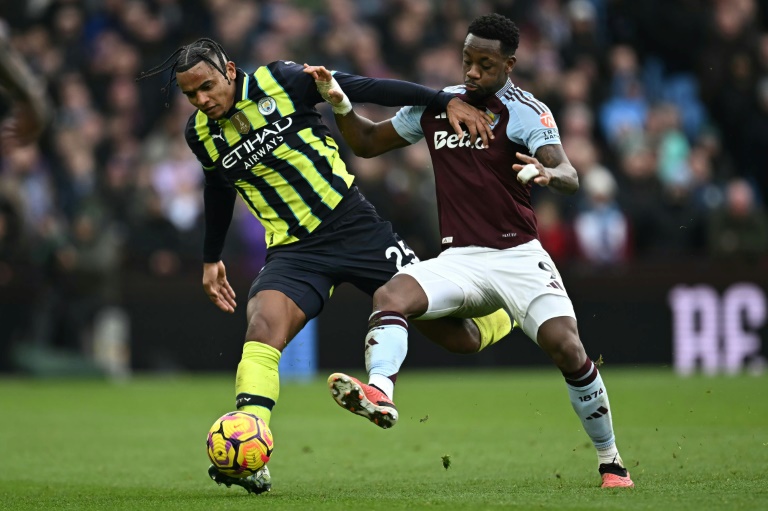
[477, 122]
[217, 287]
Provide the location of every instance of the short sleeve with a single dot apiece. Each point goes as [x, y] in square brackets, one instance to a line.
[407, 123]
[531, 124]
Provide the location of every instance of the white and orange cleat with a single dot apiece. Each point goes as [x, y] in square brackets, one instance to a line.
[365, 400]
[615, 476]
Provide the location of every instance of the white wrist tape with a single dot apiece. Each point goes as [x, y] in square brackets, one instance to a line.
[342, 108]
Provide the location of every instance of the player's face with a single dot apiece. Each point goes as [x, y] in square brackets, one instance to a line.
[485, 67]
[207, 89]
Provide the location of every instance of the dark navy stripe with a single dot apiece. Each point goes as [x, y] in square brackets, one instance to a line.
[244, 399]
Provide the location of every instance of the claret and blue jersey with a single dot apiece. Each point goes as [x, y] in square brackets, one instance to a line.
[480, 202]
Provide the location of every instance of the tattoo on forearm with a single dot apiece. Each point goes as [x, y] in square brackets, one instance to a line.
[564, 179]
[550, 155]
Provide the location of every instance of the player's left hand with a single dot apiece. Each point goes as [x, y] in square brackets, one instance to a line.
[329, 88]
[217, 286]
[544, 175]
[478, 123]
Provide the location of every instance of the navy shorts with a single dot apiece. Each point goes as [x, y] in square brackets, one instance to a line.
[353, 245]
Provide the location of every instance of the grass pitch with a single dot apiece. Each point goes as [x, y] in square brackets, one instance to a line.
[512, 439]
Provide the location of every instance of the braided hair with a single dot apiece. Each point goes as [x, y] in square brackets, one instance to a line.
[187, 57]
[497, 28]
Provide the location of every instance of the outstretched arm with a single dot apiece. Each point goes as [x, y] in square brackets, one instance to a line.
[366, 138]
[400, 93]
[555, 170]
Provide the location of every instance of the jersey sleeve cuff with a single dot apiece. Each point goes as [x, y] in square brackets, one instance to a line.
[442, 99]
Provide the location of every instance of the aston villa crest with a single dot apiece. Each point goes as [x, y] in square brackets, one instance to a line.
[494, 117]
[241, 123]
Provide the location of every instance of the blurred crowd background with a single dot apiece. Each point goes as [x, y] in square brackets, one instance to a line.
[662, 107]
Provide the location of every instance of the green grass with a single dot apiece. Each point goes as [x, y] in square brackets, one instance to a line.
[514, 443]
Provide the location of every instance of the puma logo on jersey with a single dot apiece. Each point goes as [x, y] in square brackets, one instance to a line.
[220, 136]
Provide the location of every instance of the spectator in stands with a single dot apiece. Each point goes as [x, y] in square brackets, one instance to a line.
[738, 231]
[602, 229]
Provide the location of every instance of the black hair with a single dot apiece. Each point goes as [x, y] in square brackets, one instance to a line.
[187, 57]
[498, 28]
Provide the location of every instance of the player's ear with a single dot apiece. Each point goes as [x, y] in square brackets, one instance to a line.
[510, 63]
[231, 70]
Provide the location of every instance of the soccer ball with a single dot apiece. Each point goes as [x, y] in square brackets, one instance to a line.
[239, 444]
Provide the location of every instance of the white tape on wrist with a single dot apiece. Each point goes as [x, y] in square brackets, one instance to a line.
[342, 108]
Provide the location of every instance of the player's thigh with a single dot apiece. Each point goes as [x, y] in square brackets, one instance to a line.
[455, 285]
[298, 276]
[530, 285]
[370, 255]
[457, 335]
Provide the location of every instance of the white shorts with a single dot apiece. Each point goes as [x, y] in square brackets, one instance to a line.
[474, 281]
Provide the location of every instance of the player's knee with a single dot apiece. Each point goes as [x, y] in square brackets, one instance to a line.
[403, 295]
[386, 298]
[260, 330]
[560, 339]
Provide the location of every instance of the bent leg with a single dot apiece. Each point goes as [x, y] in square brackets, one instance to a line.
[273, 320]
[457, 335]
[404, 295]
[559, 338]
[386, 342]
[467, 336]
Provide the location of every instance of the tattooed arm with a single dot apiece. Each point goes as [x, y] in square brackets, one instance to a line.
[555, 170]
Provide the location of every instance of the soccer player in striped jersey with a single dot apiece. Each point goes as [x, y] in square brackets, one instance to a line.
[259, 136]
[491, 254]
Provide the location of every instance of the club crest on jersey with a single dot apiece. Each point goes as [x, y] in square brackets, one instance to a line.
[494, 118]
[267, 105]
[241, 123]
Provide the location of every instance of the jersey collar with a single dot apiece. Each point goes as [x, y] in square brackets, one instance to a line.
[509, 85]
[241, 92]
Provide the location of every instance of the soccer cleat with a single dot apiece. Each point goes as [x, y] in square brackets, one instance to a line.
[615, 476]
[259, 482]
[362, 399]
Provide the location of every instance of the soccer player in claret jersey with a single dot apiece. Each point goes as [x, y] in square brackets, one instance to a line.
[491, 254]
[259, 135]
